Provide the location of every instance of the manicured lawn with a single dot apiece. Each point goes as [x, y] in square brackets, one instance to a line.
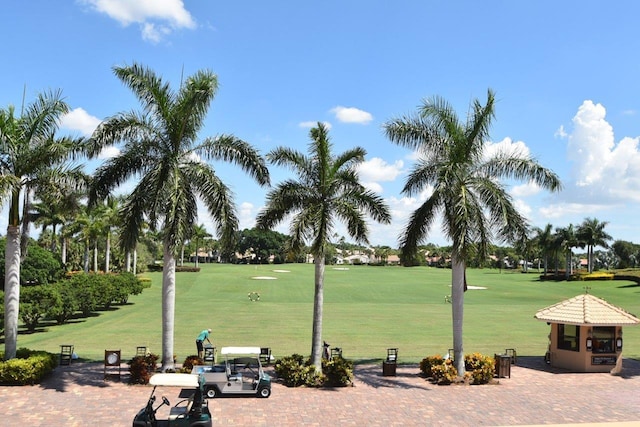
[366, 310]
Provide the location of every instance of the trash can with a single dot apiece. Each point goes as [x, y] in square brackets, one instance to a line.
[389, 365]
[503, 365]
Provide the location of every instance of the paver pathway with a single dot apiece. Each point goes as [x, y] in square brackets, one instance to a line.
[77, 395]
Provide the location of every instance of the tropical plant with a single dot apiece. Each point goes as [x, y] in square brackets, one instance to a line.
[32, 157]
[592, 233]
[567, 239]
[544, 242]
[466, 188]
[160, 147]
[327, 190]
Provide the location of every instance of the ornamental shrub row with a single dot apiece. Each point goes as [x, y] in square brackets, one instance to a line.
[479, 369]
[294, 371]
[29, 367]
[80, 292]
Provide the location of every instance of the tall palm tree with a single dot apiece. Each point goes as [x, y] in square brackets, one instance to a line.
[544, 241]
[467, 193]
[29, 152]
[566, 240]
[161, 149]
[592, 233]
[198, 234]
[327, 190]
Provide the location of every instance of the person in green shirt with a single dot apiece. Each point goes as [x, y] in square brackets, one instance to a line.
[204, 335]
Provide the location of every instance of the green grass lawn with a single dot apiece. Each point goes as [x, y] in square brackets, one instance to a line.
[366, 310]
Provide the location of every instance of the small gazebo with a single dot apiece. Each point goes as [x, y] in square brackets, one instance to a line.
[586, 334]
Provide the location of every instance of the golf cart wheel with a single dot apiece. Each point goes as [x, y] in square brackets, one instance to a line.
[264, 392]
[212, 392]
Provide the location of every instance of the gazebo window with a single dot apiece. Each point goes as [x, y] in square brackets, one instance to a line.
[569, 337]
[604, 339]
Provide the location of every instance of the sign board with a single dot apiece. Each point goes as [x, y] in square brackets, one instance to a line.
[603, 360]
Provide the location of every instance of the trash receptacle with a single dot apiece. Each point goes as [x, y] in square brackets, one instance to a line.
[503, 365]
[389, 365]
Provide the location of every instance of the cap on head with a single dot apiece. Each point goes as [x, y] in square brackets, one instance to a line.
[209, 329]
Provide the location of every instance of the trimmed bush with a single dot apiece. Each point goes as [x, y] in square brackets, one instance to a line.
[141, 368]
[338, 372]
[294, 371]
[479, 369]
[189, 363]
[29, 367]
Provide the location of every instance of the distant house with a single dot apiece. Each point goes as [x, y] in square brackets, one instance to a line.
[393, 260]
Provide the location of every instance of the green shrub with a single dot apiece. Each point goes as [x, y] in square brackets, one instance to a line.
[141, 368]
[481, 368]
[64, 302]
[294, 371]
[338, 372]
[35, 303]
[29, 367]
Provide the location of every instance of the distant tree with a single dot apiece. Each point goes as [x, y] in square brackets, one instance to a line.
[624, 252]
[262, 243]
[591, 232]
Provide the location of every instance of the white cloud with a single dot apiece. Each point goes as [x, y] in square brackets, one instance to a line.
[312, 124]
[569, 209]
[109, 152]
[601, 167]
[506, 146]
[525, 190]
[156, 18]
[79, 120]
[351, 115]
[378, 169]
[560, 133]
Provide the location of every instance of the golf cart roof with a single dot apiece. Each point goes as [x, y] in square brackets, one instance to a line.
[175, 380]
[240, 350]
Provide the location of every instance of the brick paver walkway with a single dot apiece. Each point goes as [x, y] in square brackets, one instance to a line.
[77, 395]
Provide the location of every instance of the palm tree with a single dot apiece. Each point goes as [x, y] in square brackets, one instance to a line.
[198, 234]
[544, 241]
[30, 153]
[467, 192]
[566, 240]
[160, 148]
[591, 232]
[327, 190]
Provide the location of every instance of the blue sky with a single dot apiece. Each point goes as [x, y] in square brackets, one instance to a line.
[565, 74]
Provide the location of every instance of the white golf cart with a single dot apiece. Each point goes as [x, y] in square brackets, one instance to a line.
[191, 411]
[241, 374]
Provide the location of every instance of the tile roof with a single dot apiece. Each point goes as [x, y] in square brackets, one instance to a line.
[586, 309]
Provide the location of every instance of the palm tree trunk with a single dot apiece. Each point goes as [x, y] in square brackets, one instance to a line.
[590, 256]
[107, 254]
[86, 257]
[64, 251]
[128, 260]
[457, 309]
[135, 260]
[318, 302]
[11, 291]
[168, 307]
[95, 256]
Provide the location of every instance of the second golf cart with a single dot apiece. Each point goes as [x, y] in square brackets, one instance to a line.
[241, 373]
